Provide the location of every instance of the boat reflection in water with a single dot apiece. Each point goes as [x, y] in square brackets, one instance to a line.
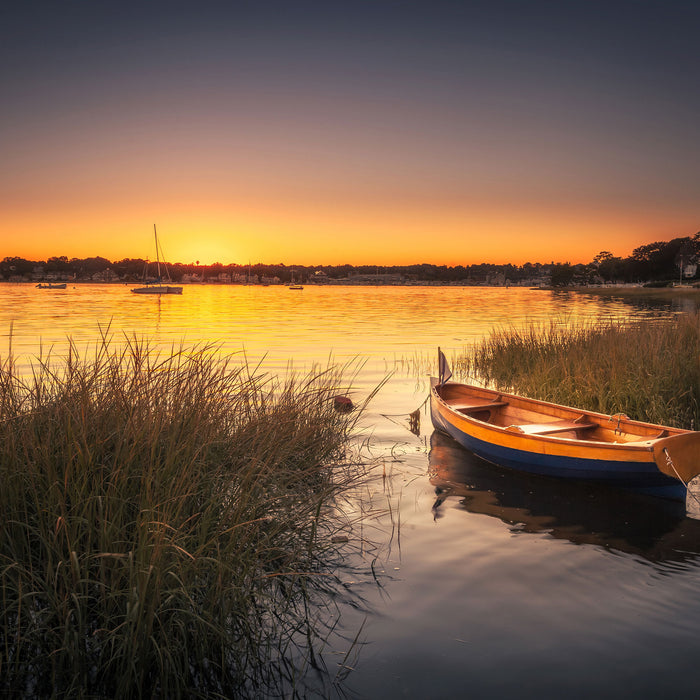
[655, 529]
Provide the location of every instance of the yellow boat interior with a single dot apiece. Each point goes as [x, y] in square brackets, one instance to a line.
[518, 414]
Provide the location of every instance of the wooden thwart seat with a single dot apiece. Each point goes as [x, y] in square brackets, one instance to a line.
[560, 426]
[474, 408]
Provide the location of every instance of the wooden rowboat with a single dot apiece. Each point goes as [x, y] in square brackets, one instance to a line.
[545, 438]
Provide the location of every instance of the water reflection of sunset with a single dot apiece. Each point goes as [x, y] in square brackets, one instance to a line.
[381, 323]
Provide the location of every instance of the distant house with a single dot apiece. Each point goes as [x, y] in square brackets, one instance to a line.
[690, 270]
[105, 276]
[375, 278]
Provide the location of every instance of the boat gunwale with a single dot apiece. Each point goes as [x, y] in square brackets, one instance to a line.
[660, 465]
[642, 444]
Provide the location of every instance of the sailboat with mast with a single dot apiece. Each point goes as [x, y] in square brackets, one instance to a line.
[295, 285]
[156, 286]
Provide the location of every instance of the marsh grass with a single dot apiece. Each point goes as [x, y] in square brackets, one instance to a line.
[648, 370]
[167, 524]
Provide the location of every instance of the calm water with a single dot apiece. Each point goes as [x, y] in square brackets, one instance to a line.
[492, 584]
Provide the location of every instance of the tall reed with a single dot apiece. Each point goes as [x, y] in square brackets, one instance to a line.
[649, 370]
[165, 523]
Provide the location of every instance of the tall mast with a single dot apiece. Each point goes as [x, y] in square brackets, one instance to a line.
[155, 235]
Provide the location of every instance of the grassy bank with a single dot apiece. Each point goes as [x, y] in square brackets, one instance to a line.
[166, 524]
[648, 370]
[638, 292]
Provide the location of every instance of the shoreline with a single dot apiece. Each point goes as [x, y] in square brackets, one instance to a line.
[621, 290]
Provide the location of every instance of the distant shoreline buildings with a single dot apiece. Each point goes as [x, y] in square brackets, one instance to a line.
[664, 263]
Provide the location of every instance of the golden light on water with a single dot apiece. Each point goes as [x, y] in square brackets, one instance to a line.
[382, 323]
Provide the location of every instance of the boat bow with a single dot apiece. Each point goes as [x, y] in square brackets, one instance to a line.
[678, 456]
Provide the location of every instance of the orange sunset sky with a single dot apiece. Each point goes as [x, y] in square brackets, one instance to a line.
[381, 132]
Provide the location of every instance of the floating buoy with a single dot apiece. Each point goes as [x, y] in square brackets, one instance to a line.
[343, 404]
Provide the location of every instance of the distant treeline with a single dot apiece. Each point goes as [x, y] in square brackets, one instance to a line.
[662, 261]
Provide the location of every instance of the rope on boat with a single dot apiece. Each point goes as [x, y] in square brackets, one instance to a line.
[670, 463]
[620, 417]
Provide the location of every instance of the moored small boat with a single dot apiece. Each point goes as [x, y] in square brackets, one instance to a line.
[51, 285]
[156, 286]
[157, 289]
[545, 438]
[293, 284]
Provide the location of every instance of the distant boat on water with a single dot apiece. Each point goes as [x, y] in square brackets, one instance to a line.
[156, 286]
[293, 285]
[50, 285]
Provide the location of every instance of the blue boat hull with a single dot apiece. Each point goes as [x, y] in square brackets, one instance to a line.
[643, 477]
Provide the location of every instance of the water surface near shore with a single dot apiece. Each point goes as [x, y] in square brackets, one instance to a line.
[492, 583]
